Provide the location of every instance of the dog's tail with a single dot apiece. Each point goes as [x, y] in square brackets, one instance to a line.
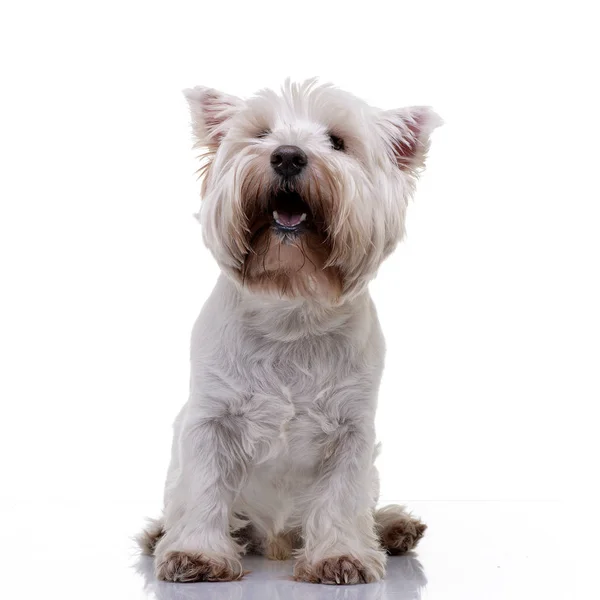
[398, 530]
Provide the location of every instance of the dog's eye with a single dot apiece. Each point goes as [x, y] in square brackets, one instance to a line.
[262, 134]
[337, 142]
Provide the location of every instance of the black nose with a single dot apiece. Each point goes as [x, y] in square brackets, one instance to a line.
[288, 161]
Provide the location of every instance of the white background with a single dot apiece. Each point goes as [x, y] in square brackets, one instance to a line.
[490, 306]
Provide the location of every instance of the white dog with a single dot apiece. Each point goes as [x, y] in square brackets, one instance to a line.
[304, 195]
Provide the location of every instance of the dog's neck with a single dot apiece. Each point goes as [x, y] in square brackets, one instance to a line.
[284, 319]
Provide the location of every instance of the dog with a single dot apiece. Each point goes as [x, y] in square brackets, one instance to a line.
[304, 195]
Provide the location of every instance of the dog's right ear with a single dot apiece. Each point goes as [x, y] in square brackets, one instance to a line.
[211, 112]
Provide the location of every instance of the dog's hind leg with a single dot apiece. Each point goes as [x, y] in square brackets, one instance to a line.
[398, 531]
[150, 536]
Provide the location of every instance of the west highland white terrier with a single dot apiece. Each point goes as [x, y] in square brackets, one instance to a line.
[304, 195]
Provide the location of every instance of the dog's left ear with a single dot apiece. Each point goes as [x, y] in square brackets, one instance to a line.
[211, 112]
[407, 131]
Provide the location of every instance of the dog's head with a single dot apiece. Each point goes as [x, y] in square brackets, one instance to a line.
[305, 192]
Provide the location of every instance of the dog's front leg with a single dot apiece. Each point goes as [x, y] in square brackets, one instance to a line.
[218, 442]
[341, 546]
[197, 545]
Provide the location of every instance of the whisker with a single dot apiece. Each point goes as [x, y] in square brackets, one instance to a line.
[301, 250]
[307, 257]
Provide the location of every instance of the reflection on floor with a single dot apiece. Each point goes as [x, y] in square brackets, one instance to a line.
[472, 551]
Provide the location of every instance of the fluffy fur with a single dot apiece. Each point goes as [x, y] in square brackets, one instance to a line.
[274, 450]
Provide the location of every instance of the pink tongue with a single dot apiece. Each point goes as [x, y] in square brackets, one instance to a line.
[289, 220]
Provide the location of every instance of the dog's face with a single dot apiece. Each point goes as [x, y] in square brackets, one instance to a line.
[305, 192]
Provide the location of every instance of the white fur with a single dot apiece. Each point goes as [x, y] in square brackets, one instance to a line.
[279, 425]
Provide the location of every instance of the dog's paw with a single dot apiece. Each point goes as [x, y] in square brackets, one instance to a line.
[338, 570]
[402, 534]
[185, 567]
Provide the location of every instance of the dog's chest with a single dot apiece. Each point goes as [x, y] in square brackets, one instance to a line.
[300, 381]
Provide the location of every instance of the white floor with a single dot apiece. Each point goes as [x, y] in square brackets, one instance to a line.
[472, 550]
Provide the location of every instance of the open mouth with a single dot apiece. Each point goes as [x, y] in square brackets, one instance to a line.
[290, 213]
